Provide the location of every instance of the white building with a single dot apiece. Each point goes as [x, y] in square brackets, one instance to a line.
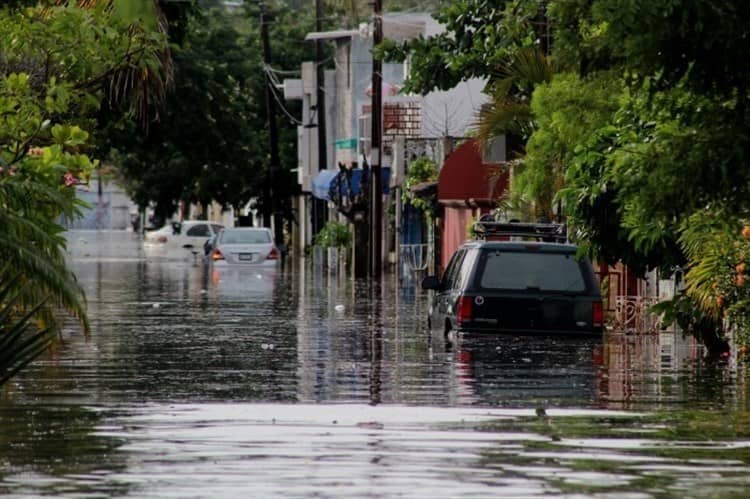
[347, 89]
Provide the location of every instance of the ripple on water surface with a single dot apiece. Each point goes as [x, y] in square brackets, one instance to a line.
[296, 383]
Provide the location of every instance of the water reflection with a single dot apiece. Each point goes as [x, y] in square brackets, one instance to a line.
[528, 370]
[169, 330]
[53, 449]
[196, 382]
[663, 370]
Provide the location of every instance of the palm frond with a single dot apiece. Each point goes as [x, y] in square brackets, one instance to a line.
[20, 341]
[503, 117]
[32, 245]
[514, 82]
[143, 78]
[50, 276]
[529, 67]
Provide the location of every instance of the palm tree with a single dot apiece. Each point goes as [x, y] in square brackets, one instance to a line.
[141, 80]
[510, 109]
[509, 113]
[35, 283]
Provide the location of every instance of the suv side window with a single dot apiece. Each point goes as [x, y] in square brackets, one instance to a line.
[200, 230]
[449, 278]
[464, 270]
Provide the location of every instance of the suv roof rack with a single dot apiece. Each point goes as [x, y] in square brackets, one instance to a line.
[547, 232]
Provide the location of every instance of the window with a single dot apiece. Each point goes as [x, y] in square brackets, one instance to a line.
[530, 271]
[449, 278]
[464, 270]
[245, 237]
[199, 230]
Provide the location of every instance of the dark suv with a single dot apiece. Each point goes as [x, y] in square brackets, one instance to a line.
[526, 285]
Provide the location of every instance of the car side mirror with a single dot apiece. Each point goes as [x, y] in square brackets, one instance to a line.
[176, 228]
[431, 282]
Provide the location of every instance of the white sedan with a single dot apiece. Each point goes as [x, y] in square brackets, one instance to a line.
[176, 237]
[244, 246]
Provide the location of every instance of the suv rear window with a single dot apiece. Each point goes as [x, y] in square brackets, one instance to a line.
[516, 270]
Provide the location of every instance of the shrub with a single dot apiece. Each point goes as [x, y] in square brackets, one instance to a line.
[422, 169]
[334, 235]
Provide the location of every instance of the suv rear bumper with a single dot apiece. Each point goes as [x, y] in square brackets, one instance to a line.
[535, 332]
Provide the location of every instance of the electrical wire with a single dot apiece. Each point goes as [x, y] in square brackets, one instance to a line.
[272, 81]
[289, 72]
[289, 115]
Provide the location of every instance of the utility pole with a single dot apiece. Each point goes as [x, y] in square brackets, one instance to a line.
[270, 189]
[376, 194]
[319, 206]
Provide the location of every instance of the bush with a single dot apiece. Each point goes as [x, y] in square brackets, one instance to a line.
[334, 235]
[422, 169]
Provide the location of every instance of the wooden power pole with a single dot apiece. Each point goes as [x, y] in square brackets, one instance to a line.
[271, 190]
[376, 193]
[319, 205]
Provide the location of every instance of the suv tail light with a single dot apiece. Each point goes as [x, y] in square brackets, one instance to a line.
[597, 314]
[463, 314]
[273, 254]
[161, 239]
[216, 255]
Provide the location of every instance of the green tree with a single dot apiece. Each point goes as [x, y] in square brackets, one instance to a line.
[565, 111]
[507, 43]
[422, 169]
[641, 129]
[57, 65]
[204, 146]
[211, 142]
[676, 149]
[479, 40]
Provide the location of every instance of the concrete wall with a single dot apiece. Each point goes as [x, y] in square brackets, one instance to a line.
[110, 211]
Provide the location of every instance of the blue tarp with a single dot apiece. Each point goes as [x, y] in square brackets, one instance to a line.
[326, 180]
[321, 183]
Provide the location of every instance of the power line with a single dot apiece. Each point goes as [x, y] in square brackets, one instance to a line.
[288, 72]
[271, 81]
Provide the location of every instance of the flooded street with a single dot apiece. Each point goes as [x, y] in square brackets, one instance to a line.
[296, 383]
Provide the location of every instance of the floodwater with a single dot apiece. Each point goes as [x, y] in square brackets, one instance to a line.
[297, 384]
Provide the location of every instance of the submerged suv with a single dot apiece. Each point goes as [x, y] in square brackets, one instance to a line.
[526, 286]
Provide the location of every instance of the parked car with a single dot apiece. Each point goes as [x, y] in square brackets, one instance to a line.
[253, 246]
[505, 286]
[188, 234]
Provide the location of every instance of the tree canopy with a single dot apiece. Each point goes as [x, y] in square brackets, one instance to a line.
[211, 142]
[640, 133]
[58, 63]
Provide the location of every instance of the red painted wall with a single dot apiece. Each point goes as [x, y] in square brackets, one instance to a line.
[464, 177]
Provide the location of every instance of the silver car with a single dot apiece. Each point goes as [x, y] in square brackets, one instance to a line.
[244, 246]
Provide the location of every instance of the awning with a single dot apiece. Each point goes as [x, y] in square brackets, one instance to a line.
[332, 180]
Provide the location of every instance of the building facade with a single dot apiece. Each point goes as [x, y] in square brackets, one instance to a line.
[348, 100]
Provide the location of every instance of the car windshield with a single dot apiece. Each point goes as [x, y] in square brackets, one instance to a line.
[245, 237]
[524, 270]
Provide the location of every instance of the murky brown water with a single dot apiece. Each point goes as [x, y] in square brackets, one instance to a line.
[295, 383]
